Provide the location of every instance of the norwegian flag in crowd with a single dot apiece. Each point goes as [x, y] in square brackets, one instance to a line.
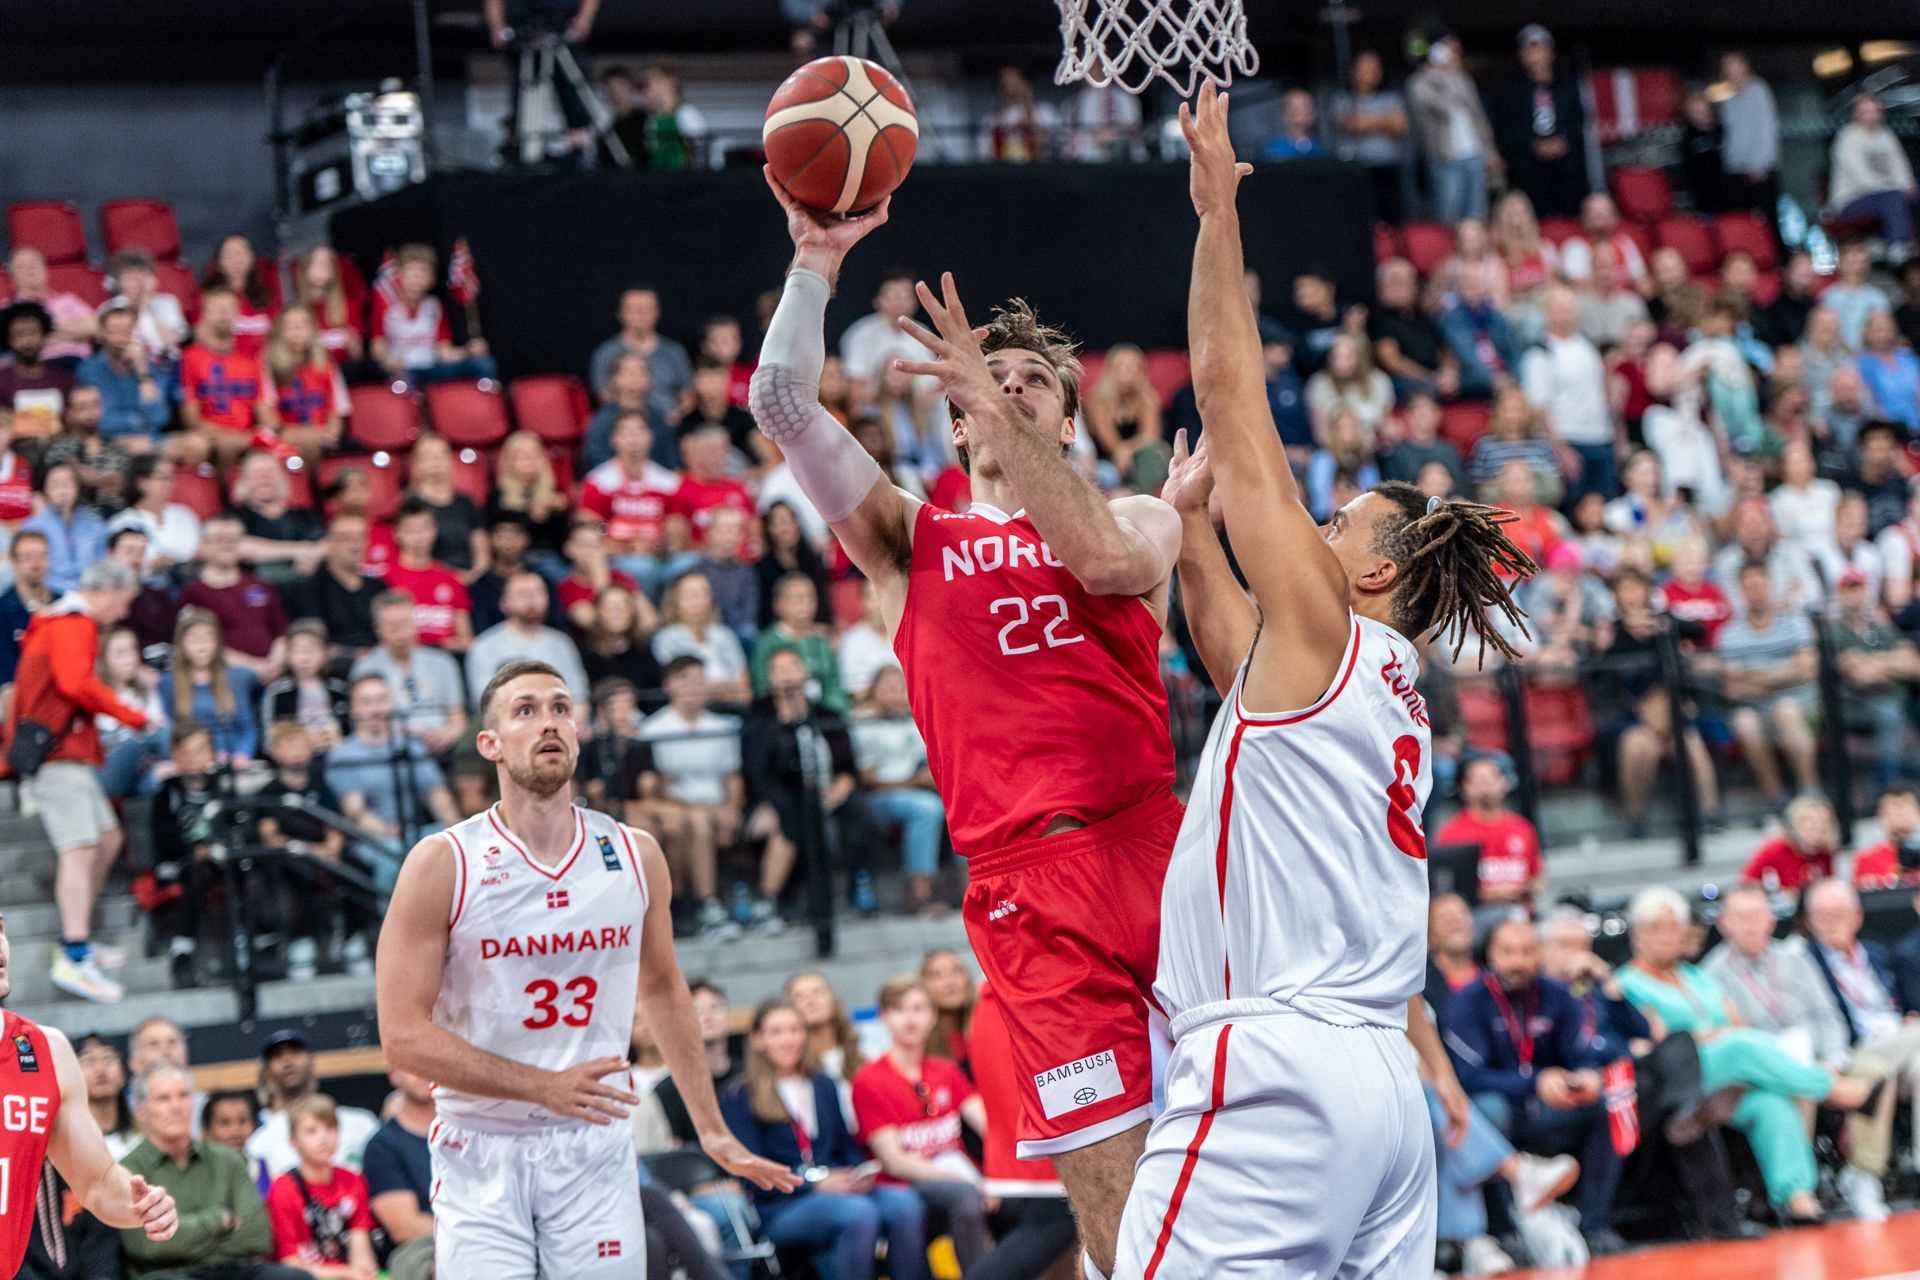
[386, 284]
[1622, 1097]
[462, 280]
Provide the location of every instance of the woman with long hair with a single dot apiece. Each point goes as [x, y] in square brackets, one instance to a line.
[949, 984]
[922, 436]
[1123, 413]
[306, 389]
[130, 753]
[237, 267]
[1473, 246]
[831, 1037]
[617, 643]
[1349, 384]
[785, 550]
[460, 538]
[317, 286]
[201, 686]
[1531, 262]
[787, 1110]
[690, 624]
[875, 437]
[524, 483]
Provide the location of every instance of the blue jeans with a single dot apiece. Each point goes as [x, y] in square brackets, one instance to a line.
[653, 573]
[1461, 1170]
[715, 1206]
[1459, 188]
[842, 1230]
[1538, 1129]
[1598, 472]
[1891, 208]
[919, 816]
[128, 761]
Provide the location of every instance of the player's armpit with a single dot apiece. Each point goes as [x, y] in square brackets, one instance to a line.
[878, 535]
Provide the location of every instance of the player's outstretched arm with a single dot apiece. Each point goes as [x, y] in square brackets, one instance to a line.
[79, 1152]
[668, 1009]
[1298, 582]
[407, 975]
[872, 519]
[1123, 548]
[1220, 615]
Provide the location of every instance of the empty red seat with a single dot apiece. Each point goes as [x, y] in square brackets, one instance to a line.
[51, 226]
[1691, 238]
[1748, 233]
[471, 414]
[383, 418]
[1643, 194]
[140, 223]
[1428, 244]
[1386, 242]
[553, 406]
[1766, 288]
[1560, 731]
[1483, 714]
[473, 474]
[1557, 231]
[81, 279]
[383, 479]
[198, 489]
[177, 278]
[6, 284]
[1168, 371]
[561, 457]
[1642, 237]
[1463, 423]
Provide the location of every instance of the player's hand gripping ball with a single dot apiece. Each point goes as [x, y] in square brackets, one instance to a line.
[840, 134]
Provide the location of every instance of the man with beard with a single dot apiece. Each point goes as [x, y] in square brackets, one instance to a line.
[286, 1076]
[516, 929]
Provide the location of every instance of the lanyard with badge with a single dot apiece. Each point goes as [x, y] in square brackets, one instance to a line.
[1519, 1029]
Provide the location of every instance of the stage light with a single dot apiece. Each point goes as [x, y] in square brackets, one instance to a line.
[1885, 50]
[1832, 62]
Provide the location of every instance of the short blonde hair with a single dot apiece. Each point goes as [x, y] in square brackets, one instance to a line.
[1654, 901]
[317, 1107]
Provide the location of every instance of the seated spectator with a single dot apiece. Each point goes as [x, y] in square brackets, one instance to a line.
[1472, 247]
[399, 1169]
[709, 402]
[200, 685]
[1879, 667]
[282, 542]
[317, 286]
[896, 788]
[589, 575]
[705, 486]
[864, 648]
[1519, 1045]
[253, 624]
[1529, 260]
[287, 1076]
[1794, 585]
[1804, 505]
[223, 1224]
[1677, 303]
[1482, 342]
[695, 796]
[669, 369]
[1512, 871]
[100, 463]
[1123, 410]
[387, 784]
[460, 536]
[32, 387]
[922, 434]
[787, 801]
[304, 385]
[1516, 433]
[1299, 131]
[1774, 984]
[1852, 297]
[1648, 509]
[308, 694]
[1315, 320]
[1347, 452]
[1871, 177]
[1020, 129]
[316, 919]
[831, 1037]
[104, 1068]
[75, 325]
[412, 339]
[429, 701]
[1896, 859]
[442, 609]
[1850, 416]
[617, 645]
[130, 753]
[525, 634]
[721, 343]
[172, 886]
[784, 549]
[1349, 383]
[319, 1212]
[690, 625]
[629, 395]
[1767, 664]
[1784, 321]
[524, 485]
[75, 536]
[909, 1106]
[172, 529]
[1407, 344]
[730, 572]
[136, 394]
[223, 405]
[786, 1110]
[1600, 225]
[1891, 372]
[711, 1018]
[1608, 306]
[160, 322]
[1633, 668]
[30, 593]
[1566, 380]
[337, 593]
[1677, 996]
[794, 608]
[1450, 963]
[631, 497]
[237, 269]
[228, 1118]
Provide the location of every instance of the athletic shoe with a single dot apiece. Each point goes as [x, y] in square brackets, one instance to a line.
[864, 900]
[1483, 1256]
[1863, 1194]
[1540, 1181]
[766, 920]
[107, 957]
[85, 980]
[715, 924]
[359, 960]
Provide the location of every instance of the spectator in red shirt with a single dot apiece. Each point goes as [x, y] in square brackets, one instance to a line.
[351, 494]
[633, 497]
[442, 609]
[320, 1212]
[252, 621]
[910, 1106]
[411, 336]
[238, 268]
[705, 484]
[221, 398]
[1896, 859]
[1800, 854]
[591, 573]
[304, 386]
[720, 343]
[1690, 596]
[1511, 869]
[16, 478]
[318, 287]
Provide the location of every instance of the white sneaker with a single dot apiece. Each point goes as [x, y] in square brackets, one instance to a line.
[1863, 1194]
[1483, 1256]
[303, 960]
[85, 980]
[1540, 1181]
[358, 959]
[108, 957]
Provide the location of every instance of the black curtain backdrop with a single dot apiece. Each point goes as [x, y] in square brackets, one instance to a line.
[1104, 251]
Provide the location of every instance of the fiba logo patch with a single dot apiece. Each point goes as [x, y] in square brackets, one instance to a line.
[23, 1047]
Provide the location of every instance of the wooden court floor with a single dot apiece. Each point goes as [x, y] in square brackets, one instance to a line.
[1850, 1251]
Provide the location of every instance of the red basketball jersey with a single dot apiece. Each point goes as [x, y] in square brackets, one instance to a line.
[29, 1097]
[1036, 698]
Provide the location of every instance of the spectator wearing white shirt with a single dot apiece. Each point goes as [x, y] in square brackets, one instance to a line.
[525, 635]
[1852, 550]
[1566, 379]
[873, 340]
[1795, 586]
[693, 626]
[160, 322]
[864, 649]
[1600, 224]
[897, 787]
[287, 1075]
[1804, 505]
[172, 528]
[1870, 175]
[694, 795]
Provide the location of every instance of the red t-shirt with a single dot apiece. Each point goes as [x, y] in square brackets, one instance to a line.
[251, 328]
[438, 594]
[251, 617]
[574, 589]
[697, 500]
[318, 1232]
[16, 487]
[381, 551]
[312, 395]
[1703, 602]
[1535, 532]
[634, 508]
[929, 1126]
[1509, 851]
[1879, 868]
[224, 387]
[1789, 867]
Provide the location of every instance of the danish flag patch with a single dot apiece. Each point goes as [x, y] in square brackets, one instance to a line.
[557, 899]
[607, 1248]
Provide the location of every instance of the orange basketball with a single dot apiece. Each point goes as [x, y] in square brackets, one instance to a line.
[840, 134]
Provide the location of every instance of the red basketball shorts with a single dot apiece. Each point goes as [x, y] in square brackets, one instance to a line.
[1067, 929]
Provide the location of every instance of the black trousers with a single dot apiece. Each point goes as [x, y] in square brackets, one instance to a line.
[1034, 1233]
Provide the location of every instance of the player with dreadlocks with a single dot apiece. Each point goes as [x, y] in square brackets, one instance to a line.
[1293, 917]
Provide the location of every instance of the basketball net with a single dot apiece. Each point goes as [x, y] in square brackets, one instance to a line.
[1129, 42]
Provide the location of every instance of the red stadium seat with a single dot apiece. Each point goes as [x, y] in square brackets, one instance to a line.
[473, 414]
[553, 406]
[198, 489]
[51, 226]
[1386, 242]
[383, 477]
[1483, 714]
[1642, 237]
[1642, 193]
[80, 279]
[1463, 423]
[1560, 731]
[6, 283]
[1748, 233]
[1168, 371]
[561, 456]
[1766, 288]
[1557, 231]
[300, 495]
[139, 223]
[383, 418]
[1428, 244]
[473, 474]
[177, 278]
[1692, 239]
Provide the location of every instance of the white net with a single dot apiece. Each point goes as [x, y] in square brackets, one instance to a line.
[1129, 42]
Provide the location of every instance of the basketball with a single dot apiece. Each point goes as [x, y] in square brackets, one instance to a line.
[840, 134]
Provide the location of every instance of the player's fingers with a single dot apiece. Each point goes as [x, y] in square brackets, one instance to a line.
[598, 1067]
[1243, 168]
[926, 337]
[773, 184]
[1186, 126]
[1180, 445]
[930, 304]
[955, 309]
[599, 1090]
[930, 368]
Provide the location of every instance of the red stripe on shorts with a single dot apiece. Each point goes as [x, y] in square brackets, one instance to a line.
[1193, 1153]
[1220, 856]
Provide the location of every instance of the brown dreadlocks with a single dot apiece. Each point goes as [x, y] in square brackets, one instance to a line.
[1456, 563]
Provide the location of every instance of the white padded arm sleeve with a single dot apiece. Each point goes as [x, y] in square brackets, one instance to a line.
[834, 472]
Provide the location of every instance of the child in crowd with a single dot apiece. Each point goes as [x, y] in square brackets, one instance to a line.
[307, 695]
[319, 1210]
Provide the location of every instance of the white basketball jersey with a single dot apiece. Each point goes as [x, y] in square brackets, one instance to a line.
[543, 963]
[1300, 872]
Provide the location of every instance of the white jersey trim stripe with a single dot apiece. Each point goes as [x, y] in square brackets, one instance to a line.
[1267, 718]
[579, 843]
[633, 857]
[460, 877]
